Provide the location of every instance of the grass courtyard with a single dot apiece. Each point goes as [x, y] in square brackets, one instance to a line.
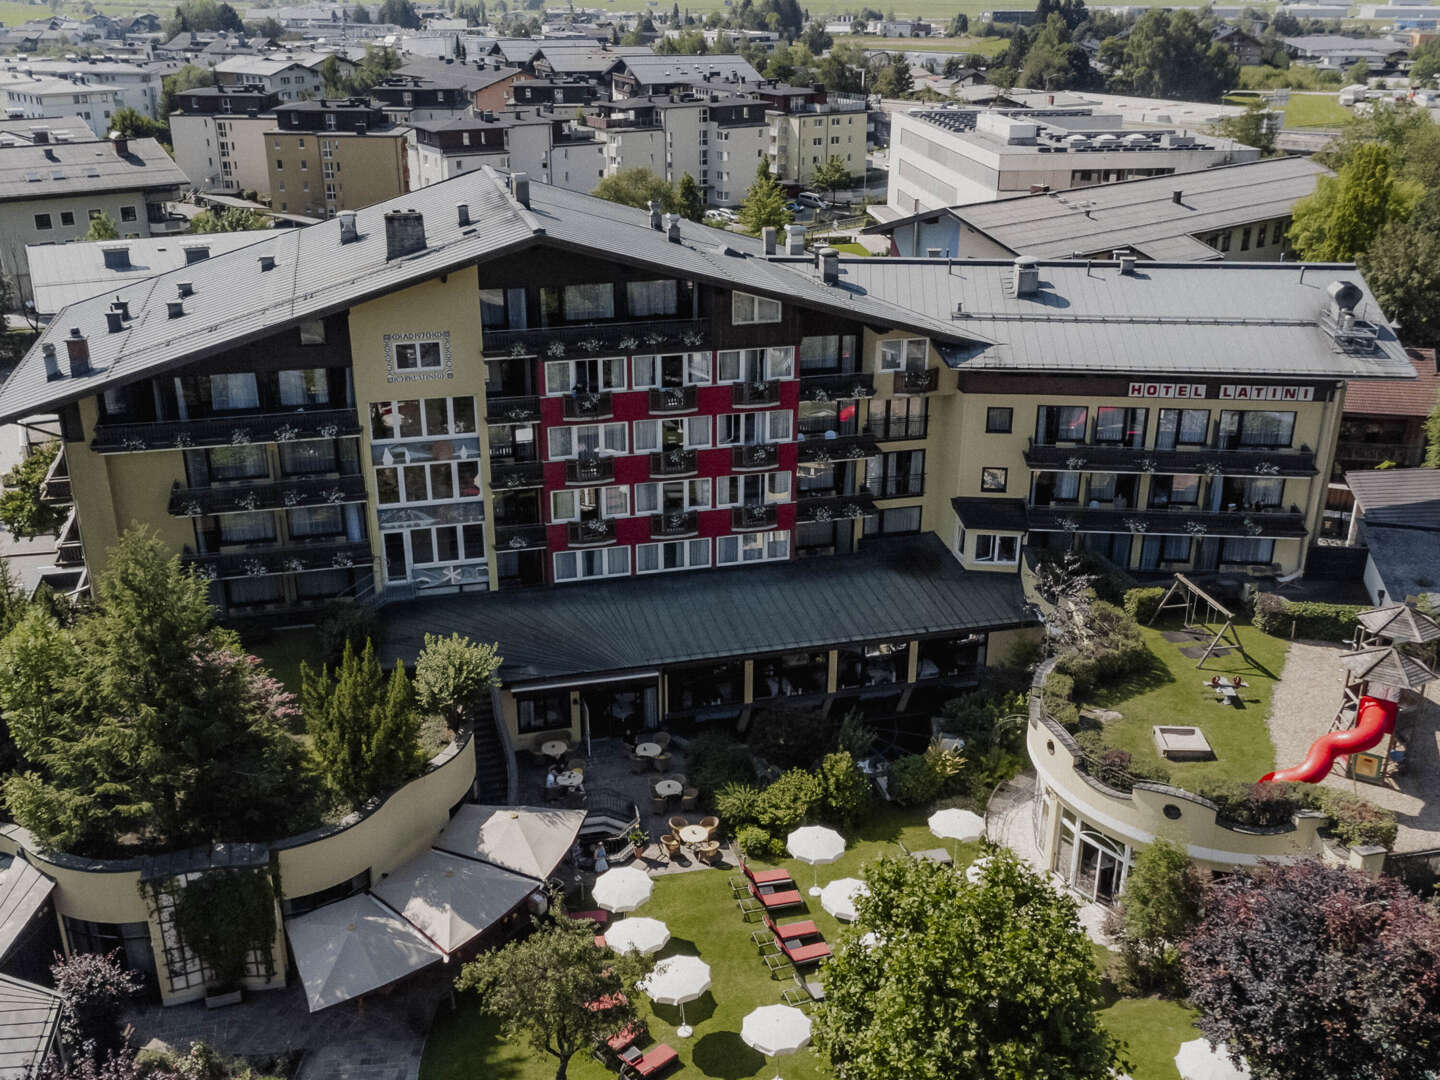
[1315, 111]
[1171, 691]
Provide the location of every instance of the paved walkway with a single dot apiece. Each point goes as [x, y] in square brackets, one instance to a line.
[1304, 704]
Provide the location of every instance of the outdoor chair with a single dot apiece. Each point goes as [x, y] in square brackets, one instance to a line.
[804, 993]
[639, 764]
[576, 764]
[740, 885]
[626, 1037]
[763, 898]
[662, 762]
[710, 824]
[939, 855]
[651, 1063]
[708, 852]
[689, 798]
[796, 956]
[795, 933]
[660, 739]
[658, 804]
[671, 846]
[676, 824]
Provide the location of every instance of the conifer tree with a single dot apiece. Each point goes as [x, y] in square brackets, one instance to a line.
[764, 203]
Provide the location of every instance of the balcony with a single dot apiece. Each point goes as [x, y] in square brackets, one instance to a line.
[834, 507]
[592, 532]
[859, 384]
[278, 495]
[674, 525]
[590, 470]
[585, 405]
[1089, 457]
[675, 462]
[1366, 455]
[817, 451]
[69, 551]
[281, 559]
[527, 537]
[523, 409]
[516, 475]
[599, 339]
[234, 430]
[755, 395]
[754, 516]
[673, 399]
[1175, 521]
[917, 382]
[754, 457]
[55, 488]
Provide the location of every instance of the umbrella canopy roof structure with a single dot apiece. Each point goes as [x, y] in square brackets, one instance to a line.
[640, 935]
[1388, 666]
[351, 947]
[775, 1030]
[956, 824]
[1196, 1061]
[530, 840]
[1400, 622]
[676, 980]
[815, 844]
[839, 896]
[452, 900]
[622, 889]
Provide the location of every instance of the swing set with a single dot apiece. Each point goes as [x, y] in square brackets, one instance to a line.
[1190, 598]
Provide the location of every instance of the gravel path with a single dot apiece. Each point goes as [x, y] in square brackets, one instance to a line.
[1304, 704]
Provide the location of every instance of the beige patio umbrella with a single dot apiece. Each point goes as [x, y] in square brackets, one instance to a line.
[452, 900]
[958, 825]
[530, 840]
[622, 889]
[775, 1030]
[1197, 1061]
[676, 980]
[348, 948]
[815, 845]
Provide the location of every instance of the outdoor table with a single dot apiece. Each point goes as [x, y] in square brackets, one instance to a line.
[570, 778]
[1226, 692]
[554, 748]
[648, 749]
[668, 788]
[694, 834]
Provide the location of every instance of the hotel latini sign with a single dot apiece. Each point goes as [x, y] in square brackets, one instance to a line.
[1225, 391]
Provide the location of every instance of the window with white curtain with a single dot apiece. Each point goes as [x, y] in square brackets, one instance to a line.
[752, 428]
[670, 495]
[572, 504]
[752, 547]
[747, 309]
[646, 298]
[1235, 550]
[309, 386]
[238, 463]
[236, 390]
[316, 521]
[585, 376]
[908, 354]
[250, 528]
[690, 432]
[1182, 427]
[993, 548]
[309, 456]
[673, 555]
[572, 440]
[591, 563]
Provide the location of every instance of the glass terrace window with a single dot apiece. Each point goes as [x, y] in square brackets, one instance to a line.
[649, 298]
[422, 417]
[669, 496]
[752, 489]
[671, 369]
[896, 474]
[502, 309]
[226, 464]
[673, 555]
[1182, 427]
[755, 365]
[592, 563]
[993, 548]
[910, 354]
[827, 354]
[1120, 426]
[689, 432]
[1182, 490]
[1258, 428]
[753, 428]
[309, 386]
[439, 481]
[577, 304]
[752, 547]
[587, 504]
[747, 309]
[1060, 423]
[900, 418]
[585, 376]
[573, 440]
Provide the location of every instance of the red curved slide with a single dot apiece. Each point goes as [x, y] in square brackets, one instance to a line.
[1374, 720]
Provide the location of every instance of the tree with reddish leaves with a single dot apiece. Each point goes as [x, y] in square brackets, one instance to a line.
[1321, 973]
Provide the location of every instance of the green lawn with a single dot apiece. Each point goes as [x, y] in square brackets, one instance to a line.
[283, 650]
[1171, 693]
[1153, 1030]
[1315, 110]
[985, 46]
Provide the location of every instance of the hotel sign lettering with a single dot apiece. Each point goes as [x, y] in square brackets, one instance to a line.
[1226, 392]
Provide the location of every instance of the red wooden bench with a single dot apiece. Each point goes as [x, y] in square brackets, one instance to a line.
[651, 1063]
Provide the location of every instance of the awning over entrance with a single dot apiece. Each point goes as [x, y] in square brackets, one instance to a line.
[23, 892]
[452, 900]
[530, 840]
[347, 949]
[29, 1017]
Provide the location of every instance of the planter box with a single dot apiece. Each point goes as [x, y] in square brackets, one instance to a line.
[219, 999]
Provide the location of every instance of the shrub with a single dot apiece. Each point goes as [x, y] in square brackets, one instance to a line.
[452, 674]
[854, 736]
[915, 781]
[844, 790]
[738, 804]
[756, 843]
[1115, 768]
[1159, 908]
[1142, 604]
[975, 716]
[1109, 582]
[716, 760]
[1058, 699]
[1355, 821]
[789, 802]
[1113, 650]
[793, 738]
[1311, 619]
[1256, 806]
[344, 622]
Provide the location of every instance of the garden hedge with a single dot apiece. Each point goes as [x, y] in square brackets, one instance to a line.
[1311, 619]
[1142, 604]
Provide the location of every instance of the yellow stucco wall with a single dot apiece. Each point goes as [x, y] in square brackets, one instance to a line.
[370, 168]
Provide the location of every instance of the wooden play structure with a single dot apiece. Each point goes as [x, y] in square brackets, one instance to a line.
[1185, 594]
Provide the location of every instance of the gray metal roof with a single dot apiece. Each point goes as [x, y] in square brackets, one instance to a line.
[57, 169]
[902, 587]
[1004, 515]
[1404, 558]
[1400, 622]
[1140, 214]
[29, 1017]
[1222, 319]
[665, 69]
[73, 128]
[1403, 498]
[23, 892]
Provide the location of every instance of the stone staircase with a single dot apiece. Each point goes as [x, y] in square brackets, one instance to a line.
[492, 761]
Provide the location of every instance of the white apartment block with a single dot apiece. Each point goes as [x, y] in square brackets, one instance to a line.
[43, 97]
[222, 152]
[136, 86]
[799, 143]
[294, 78]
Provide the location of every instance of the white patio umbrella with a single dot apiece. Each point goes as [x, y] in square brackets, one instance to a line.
[775, 1030]
[815, 845]
[839, 896]
[1196, 1061]
[622, 889]
[955, 824]
[676, 980]
[976, 870]
[644, 936]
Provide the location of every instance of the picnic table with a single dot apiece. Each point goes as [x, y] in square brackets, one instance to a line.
[570, 778]
[694, 834]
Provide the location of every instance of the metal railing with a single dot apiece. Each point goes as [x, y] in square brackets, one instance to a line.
[841, 448]
[587, 405]
[675, 462]
[754, 517]
[676, 523]
[593, 531]
[673, 399]
[270, 495]
[754, 456]
[747, 395]
[917, 382]
[282, 559]
[227, 431]
[599, 339]
[596, 470]
[516, 475]
[857, 384]
[520, 537]
[521, 409]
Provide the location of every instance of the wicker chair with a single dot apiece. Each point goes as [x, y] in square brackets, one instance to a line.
[639, 764]
[676, 824]
[658, 804]
[708, 852]
[660, 739]
[661, 762]
[711, 825]
[689, 798]
[671, 846]
[576, 763]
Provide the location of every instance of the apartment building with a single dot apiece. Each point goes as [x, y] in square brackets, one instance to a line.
[512, 388]
[218, 133]
[539, 142]
[325, 156]
[136, 85]
[40, 97]
[293, 76]
[649, 74]
[946, 157]
[410, 99]
[808, 126]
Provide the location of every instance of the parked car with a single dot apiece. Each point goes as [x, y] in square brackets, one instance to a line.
[810, 198]
[796, 207]
[721, 214]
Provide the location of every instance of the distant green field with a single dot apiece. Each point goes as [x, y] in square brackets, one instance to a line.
[986, 46]
[943, 10]
[1315, 110]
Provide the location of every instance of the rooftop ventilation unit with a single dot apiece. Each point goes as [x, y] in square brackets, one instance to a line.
[1026, 275]
[116, 257]
[52, 364]
[78, 351]
[404, 233]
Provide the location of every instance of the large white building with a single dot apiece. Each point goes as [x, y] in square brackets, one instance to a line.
[293, 76]
[136, 86]
[944, 157]
[43, 97]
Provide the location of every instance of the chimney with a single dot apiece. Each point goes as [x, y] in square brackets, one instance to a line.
[184, 289]
[672, 228]
[114, 322]
[267, 263]
[1127, 264]
[40, 135]
[404, 233]
[117, 256]
[78, 350]
[348, 232]
[767, 237]
[196, 253]
[795, 239]
[828, 260]
[462, 213]
[52, 365]
[1027, 276]
[1176, 196]
[654, 215]
[520, 188]
[122, 306]
[120, 143]
[175, 308]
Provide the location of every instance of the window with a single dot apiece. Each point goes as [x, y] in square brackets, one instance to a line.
[830, 353]
[67, 217]
[127, 213]
[1245, 238]
[670, 496]
[1255, 428]
[430, 482]
[753, 428]
[1060, 423]
[421, 417]
[1117, 425]
[1182, 427]
[312, 521]
[419, 356]
[95, 214]
[899, 418]
[899, 521]
[255, 527]
[236, 463]
[992, 548]
[998, 419]
[690, 432]
[585, 376]
[310, 457]
[675, 555]
[993, 478]
[1164, 549]
[899, 473]
[649, 298]
[910, 354]
[572, 441]
[234, 391]
[312, 332]
[542, 712]
[309, 386]
[752, 489]
[42, 221]
[577, 303]
[673, 369]
[576, 504]
[747, 309]
[446, 544]
[1180, 490]
[1234, 550]
[755, 365]
[1225, 241]
[596, 562]
[1260, 236]
[752, 547]
[502, 309]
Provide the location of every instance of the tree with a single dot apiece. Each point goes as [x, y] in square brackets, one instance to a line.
[103, 227]
[539, 988]
[960, 25]
[451, 674]
[92, 989]
[1253, 127]
[189, 77]
[1171, 54]
[991, 981]
[1324, 973]
[398, 13]
[144, 720]
[1053, 62]
[843, 68]
[133, 124]
[831, 176]
[1402, 267]
[1425, 62]
[764, 203]
[1159, 908]
[361, 15]
[1348, 210]
[268, 28]
[364, 733]
[1358, 72]
[230, 219]
[1432, 437]
[895, 81]
[637, 187]
[22, 510]
[688, 202]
